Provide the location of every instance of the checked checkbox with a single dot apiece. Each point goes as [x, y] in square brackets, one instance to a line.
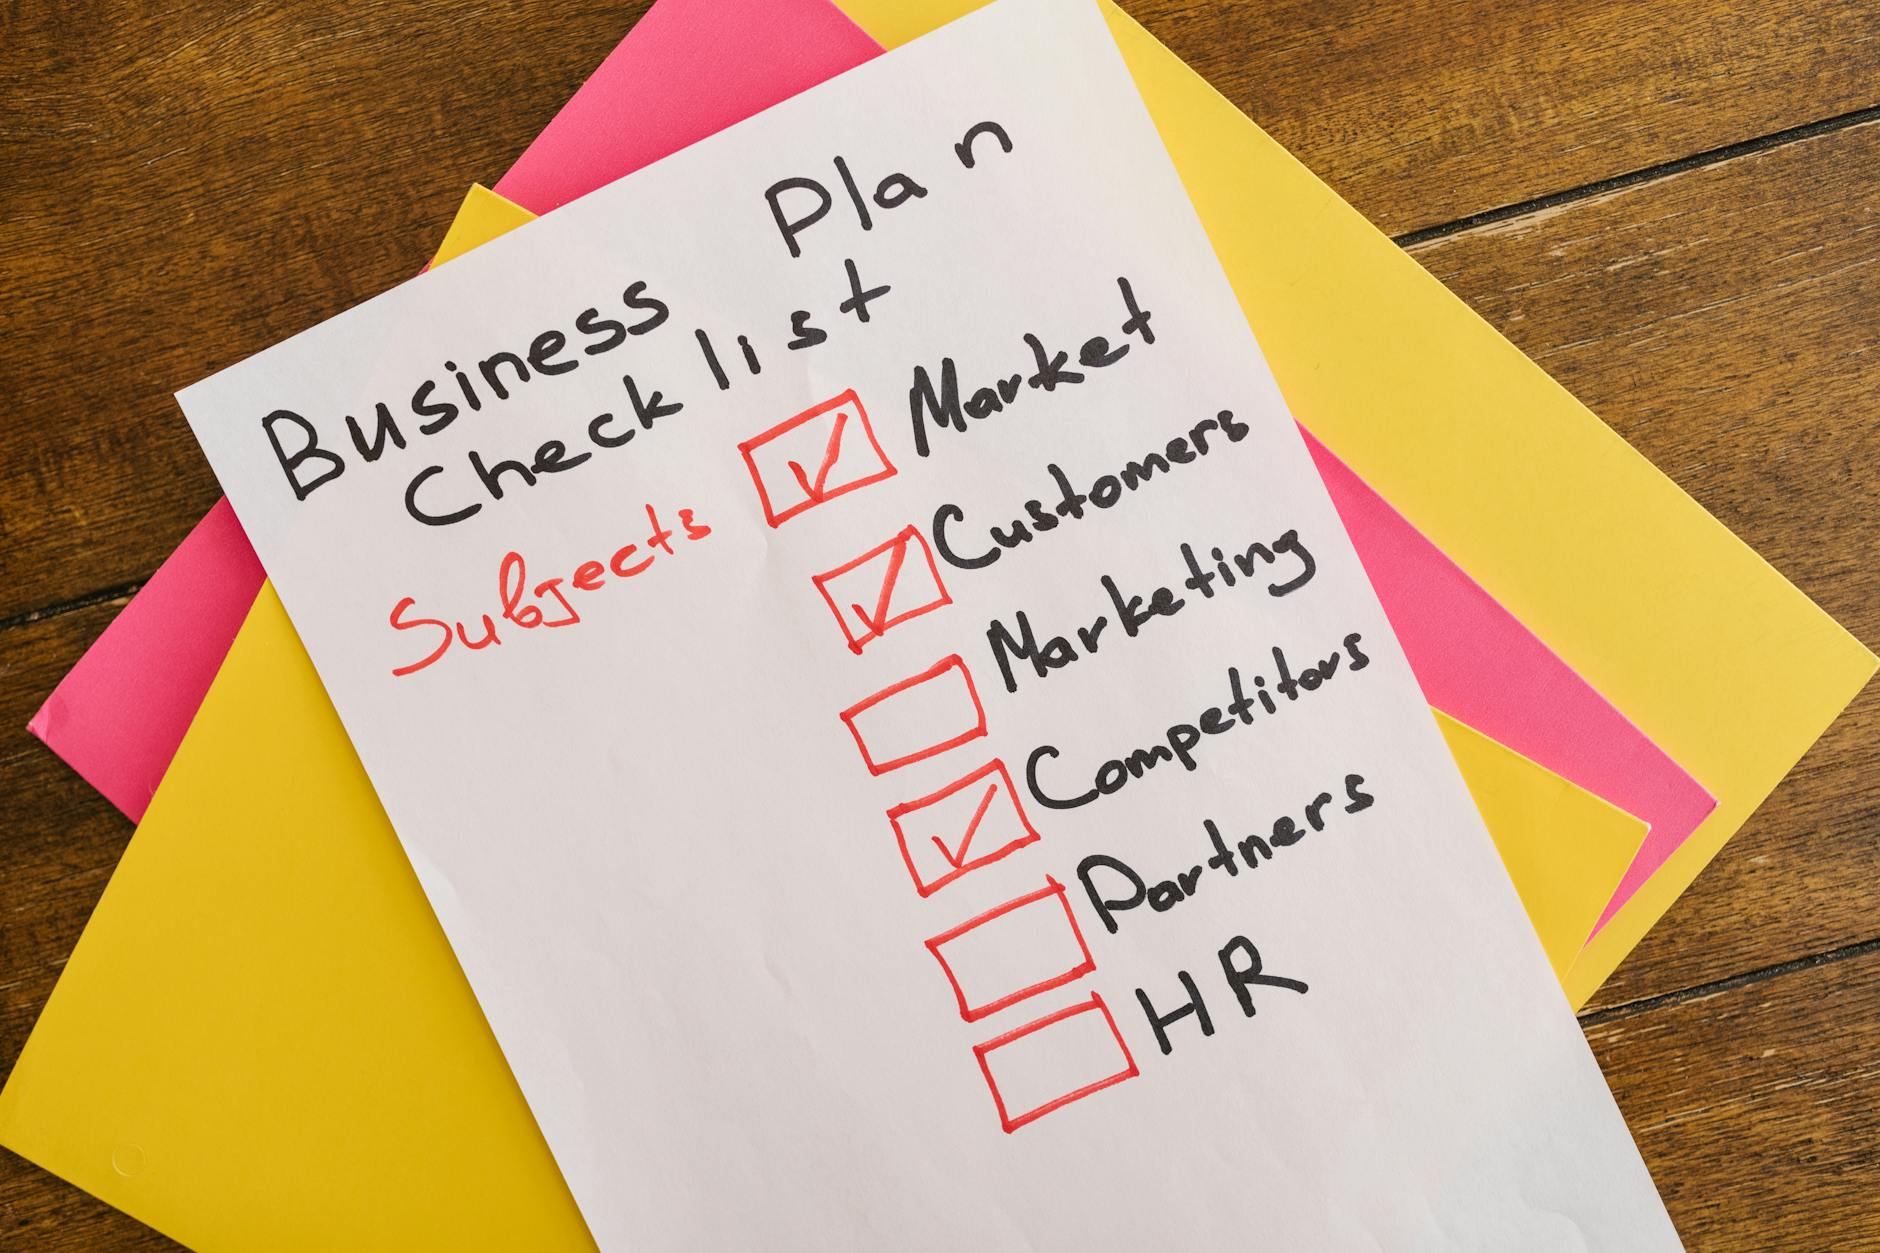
[1053, 1061]
[923, 715]
[969, 823]
[827, 451]
[1012, 951]
[889, 584]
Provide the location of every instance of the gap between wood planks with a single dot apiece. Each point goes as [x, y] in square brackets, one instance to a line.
[1646, 1004]
[123, 591]
[1638, 177]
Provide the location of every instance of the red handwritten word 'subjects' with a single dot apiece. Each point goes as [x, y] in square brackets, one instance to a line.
[527, 604]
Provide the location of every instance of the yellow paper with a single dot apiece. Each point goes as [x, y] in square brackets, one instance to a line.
[482, 217]
[1564, 847]
[1709, 651]
[263, 1041]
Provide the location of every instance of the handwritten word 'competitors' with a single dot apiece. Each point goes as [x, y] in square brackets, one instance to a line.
[1181, 740]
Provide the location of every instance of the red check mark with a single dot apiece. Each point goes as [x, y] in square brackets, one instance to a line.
[831, 453]
[997, 828]
[898, 577]
[956, 860]
[789, 478]
[877, 622]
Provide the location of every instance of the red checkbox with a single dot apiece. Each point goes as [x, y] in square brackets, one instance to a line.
[822, 453]
[889, 584]
[1053, 1061]
[917, 718]
[1019, 949]
[967, 824]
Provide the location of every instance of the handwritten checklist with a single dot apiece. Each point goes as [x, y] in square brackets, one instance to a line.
[855, 648]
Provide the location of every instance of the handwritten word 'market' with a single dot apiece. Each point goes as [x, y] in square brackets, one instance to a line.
[547, 603]
[942, 407]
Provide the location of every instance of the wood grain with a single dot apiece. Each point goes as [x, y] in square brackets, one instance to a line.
[38, 1212]
[184, 187]
[61, 839]
[1425, 111]
[1724, 321]
[1755, 1108]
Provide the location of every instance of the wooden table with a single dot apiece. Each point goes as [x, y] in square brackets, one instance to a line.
[1673, 205]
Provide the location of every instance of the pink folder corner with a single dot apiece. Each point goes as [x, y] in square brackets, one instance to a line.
[688, 69]
[1479, 665]
[119, 714]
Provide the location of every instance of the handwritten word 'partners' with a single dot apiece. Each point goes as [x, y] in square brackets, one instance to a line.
[1114, 886]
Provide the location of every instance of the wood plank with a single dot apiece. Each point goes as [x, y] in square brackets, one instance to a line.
[1758, 1108]
[1723, 321]
[190, 185]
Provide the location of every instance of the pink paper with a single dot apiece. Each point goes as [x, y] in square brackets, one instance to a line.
[688, 69]
[119, 715]
[1479, 665]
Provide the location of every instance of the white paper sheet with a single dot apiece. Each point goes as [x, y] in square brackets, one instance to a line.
[801, 924]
